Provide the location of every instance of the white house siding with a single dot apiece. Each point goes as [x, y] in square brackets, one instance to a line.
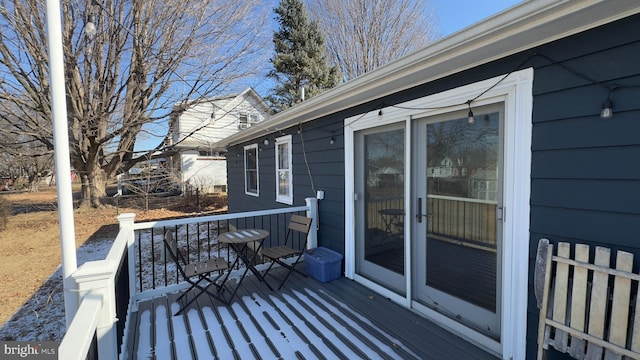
[202, 125]
[206, 173]
[225, 122]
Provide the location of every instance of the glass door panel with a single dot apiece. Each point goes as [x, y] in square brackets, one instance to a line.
[380, 209]
[458, 237]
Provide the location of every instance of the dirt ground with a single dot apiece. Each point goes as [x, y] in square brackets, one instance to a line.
[30, 245]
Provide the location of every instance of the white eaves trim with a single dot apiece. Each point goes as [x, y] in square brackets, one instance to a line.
[524, 26]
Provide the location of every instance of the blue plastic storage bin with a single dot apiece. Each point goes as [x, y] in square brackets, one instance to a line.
[323, 264]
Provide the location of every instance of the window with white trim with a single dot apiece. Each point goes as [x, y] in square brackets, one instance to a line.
[251, 170]
[243, 121]
[284, 175]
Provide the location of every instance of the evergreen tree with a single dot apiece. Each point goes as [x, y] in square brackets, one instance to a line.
[300, 60]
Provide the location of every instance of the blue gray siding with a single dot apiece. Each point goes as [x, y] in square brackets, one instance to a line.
[325, 171]
[585, 181]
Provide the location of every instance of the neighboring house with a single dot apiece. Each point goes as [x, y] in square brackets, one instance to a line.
[535, 78]
[204, 122]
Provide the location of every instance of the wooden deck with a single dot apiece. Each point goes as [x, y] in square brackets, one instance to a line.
[305, 320]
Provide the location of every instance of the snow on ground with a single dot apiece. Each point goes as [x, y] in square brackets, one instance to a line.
[42, 316]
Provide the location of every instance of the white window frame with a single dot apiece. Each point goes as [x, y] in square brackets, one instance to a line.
[284, 198]
[246, 183]
[516, 92]
[243, 124]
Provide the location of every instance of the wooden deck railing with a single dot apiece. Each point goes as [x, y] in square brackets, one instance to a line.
[469, 221]
[136, 268]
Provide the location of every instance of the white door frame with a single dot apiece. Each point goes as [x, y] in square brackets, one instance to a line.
[515, 91]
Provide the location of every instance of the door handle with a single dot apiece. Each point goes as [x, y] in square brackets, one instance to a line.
[419, 212]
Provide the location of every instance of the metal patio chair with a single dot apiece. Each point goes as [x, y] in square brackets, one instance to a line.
[277, 254]
[196, 272]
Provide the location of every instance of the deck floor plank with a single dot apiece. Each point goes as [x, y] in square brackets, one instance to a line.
[305, 319]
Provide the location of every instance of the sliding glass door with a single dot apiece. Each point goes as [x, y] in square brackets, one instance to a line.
[457, 185]
[380, 209]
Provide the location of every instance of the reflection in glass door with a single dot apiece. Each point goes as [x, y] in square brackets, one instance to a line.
[380, 208]
[458, 200]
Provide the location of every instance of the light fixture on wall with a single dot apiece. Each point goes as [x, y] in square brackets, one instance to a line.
[266, 141]
[607, 110]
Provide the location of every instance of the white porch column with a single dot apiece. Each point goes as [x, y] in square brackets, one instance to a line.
[97, 278]
[312, 240]
[126, 224]
[61, 155]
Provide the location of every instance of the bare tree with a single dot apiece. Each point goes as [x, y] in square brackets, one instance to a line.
[365, 34]
[24, 159]
[128, 66]
[151, 179]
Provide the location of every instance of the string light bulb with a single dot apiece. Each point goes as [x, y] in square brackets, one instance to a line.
[90, 26]
[607, 110]
[332, 141]
[470, 117]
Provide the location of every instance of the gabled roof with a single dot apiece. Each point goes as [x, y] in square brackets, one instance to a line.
[248, 92]
[521, 27]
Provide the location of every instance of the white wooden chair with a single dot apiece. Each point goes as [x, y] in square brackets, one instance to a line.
[587, 308]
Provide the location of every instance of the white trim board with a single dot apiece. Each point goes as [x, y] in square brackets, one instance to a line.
[515, 91]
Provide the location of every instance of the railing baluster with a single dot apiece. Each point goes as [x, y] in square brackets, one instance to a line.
[164, 257]
[153, 260]
[138, 242]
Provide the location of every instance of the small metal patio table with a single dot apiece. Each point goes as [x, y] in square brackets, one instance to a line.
[391, 217]
[238, 240]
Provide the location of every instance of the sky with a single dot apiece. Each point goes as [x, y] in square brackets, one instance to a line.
[451, 15]
[454, 15]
